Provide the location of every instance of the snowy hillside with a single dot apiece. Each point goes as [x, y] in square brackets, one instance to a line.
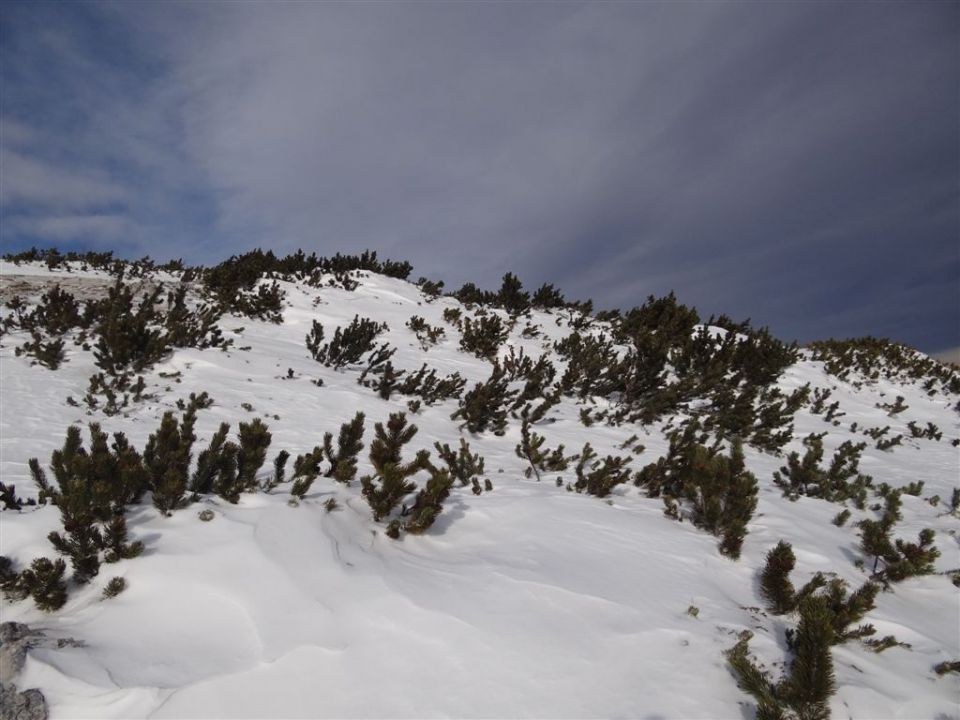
[525, 598]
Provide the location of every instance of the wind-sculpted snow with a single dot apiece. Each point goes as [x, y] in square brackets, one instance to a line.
[524, 601]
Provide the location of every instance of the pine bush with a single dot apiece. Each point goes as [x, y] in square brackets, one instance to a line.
[343, 461]
[167, 458]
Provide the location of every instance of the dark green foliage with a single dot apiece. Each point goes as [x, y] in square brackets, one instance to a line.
[547, 297]
[912, 558]
[719, 493]
[213, 463]
[431, 290]
[390, 483]
[343, 462]
[844, 609]
[914, 488]
[484, 336]
[306, 469]
[873, 358]
[901, 559]
[8, 496]
[427, 334]
[167, 458]
[470, 294]
[723, 496]
[128, 334]
[192, 326]
[841, 481]
[462, 464]
[49, 354]
[234, 285]
[820, 396]
[279, 468]
[8, 580]
[196, 402]
[486, 406]
[775, 583]
[113, 588]
[348, 345]
[58, 312]
[600, 477]
[388, 442]
[431, 389]
[803, 693]
[947, 666]
[254, 443]
[429, 502]
[888, 443]
[387, 380]
[931, 431]
[453, 316]
[43, 581]
[593, 365]
[885, 643]
[229, 469]
[894, 408]
[811, 681]
[92, 491]
[511, 297]
[841, 518]
[384, 490]
[530, 448]
[537, 376]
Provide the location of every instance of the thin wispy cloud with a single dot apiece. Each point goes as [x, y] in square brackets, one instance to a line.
[797, 163]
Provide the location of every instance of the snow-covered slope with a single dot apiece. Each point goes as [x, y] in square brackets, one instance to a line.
[525, 601]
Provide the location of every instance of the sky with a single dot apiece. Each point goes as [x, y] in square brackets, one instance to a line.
[797, 163]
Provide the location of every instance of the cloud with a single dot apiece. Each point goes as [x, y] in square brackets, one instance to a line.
[793, 162]
[95, 227]
[29, 181]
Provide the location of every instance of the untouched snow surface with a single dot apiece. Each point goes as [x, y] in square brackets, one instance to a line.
[527, 601]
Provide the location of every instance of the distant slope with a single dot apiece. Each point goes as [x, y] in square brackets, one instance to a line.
[527, 600]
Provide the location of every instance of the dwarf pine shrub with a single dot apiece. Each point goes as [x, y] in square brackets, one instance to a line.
[803, 693]
[390, 483]
[483, 336]
[775, 583]
[306, 469]
[43, 581]
[348, 344]
[427, 334]
[93, 489]
[600, 477]
[486, 406]
[842, 480]
[428, 503]
[167, 457]
[462, 464]
[343, 460]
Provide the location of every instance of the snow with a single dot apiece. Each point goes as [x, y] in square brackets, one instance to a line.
[527, 601]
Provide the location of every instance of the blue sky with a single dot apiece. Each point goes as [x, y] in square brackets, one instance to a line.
[796, 163]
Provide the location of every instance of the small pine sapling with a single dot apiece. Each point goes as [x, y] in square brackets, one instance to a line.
[384, 490]
[254, 442]
[530, 448]
[429, 502]
[113, 588]
[279, 469]
[463, 465]
[343, 461]
[167, 458]
[775, 583]
[44, 582]
[306, 468]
